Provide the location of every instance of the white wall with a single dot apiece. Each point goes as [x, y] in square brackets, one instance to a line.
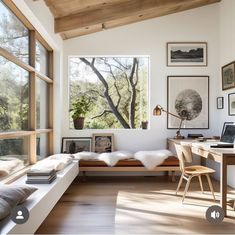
[227, 55]
[150, 38]
[41, 18]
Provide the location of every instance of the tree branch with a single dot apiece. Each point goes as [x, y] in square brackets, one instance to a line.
[115, 84]
[106, 94]
[137, 73]
[118, 62]
[133, 93]
[101, 114]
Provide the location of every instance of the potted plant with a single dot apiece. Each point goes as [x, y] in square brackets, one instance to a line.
[79, 109]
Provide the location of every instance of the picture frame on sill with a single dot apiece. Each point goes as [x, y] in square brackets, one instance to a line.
[220, 102]
[103, 142]
[228, 76]
[186, 54]
[76, 144]
[231, 104]
[188, 98]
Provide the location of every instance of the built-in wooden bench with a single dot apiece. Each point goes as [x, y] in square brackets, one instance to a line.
[171, 164]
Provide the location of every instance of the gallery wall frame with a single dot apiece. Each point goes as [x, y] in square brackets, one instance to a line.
[188, 97]
[103, 142]
[187, 54]
[231, 104]
[76, 144]
[228, 76]
[220, 102]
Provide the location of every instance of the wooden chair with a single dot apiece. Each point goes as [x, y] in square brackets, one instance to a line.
[188, 172]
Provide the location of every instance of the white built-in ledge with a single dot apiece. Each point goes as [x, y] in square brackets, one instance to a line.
[41, 202]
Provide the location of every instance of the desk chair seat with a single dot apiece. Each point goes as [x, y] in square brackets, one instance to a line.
[193, 170]
[188, 172]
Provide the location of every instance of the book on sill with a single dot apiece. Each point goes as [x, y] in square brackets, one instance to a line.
[41, 172]
[39, 177]
[41, 181]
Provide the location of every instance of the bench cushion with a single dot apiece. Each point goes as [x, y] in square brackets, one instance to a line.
[170, 161]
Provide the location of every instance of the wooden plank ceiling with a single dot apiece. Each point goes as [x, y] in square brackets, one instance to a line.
[74, 18]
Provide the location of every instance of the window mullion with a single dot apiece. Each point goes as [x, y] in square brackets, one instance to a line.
[15, 60]
[50, 106]
[32, 97]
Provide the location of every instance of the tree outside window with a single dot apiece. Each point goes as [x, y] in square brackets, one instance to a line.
[116, 87]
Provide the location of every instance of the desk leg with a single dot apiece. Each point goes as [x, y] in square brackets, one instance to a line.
[223, 184]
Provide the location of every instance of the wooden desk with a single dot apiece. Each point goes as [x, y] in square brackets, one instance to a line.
[223, 156]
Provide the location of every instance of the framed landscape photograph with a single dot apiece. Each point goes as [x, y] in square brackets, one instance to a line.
[231, 104]
[188, 97]
[220, 102]
[103, 142]
[186, 54]
[228, 76]
[76, 144]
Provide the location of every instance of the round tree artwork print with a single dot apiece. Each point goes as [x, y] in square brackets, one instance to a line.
[188, 104]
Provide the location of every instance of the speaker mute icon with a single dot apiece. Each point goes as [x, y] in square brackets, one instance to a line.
[215, 214]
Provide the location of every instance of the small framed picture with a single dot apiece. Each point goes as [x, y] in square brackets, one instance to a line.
[187, 54]
[220, 102]
[228, 76]
[76, 144]
[103, 142]
[231, 104]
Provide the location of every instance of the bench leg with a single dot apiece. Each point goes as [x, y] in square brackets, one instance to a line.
[173, 176]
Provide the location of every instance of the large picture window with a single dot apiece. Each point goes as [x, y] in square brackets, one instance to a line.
[14, 36]
[26, 85]
[14, 97]
[115, 89]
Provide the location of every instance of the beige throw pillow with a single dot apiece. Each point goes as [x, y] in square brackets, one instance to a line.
[11, 196]
[5, 209]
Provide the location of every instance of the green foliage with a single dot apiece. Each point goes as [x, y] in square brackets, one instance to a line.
[14, 86]
[11, 146]
[80, 107]
[5, 119]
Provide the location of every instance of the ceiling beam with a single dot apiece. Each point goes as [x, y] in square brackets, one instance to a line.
[121, 10]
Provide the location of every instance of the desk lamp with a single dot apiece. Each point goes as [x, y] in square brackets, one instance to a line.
[157, 111]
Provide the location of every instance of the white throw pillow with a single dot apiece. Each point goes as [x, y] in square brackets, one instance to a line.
[57, 162]
[111, 159]
[85, 155]
[60, 156]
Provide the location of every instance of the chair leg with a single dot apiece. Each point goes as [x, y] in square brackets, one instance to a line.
[200, 181]
[179, 184]
[210, 185]
[187, 187]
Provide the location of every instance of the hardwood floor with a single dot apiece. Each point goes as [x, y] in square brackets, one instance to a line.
[134, 205]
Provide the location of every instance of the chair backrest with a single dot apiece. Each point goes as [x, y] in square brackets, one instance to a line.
[184, 154]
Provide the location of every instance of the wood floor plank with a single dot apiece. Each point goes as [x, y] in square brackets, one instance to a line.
[134, 205]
